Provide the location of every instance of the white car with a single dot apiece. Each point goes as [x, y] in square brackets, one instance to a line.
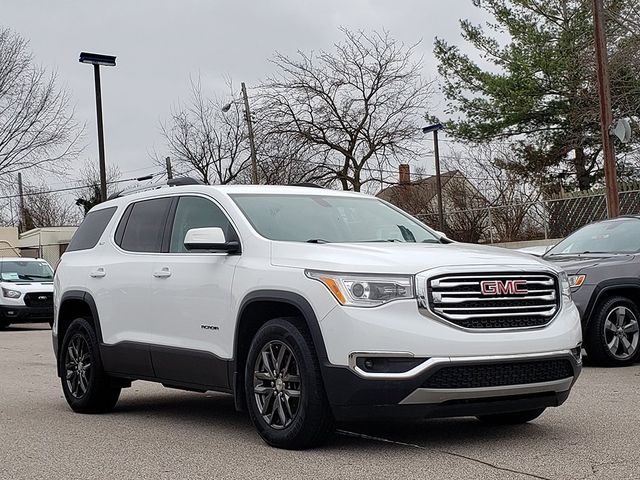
[27, 291]
[309, 306]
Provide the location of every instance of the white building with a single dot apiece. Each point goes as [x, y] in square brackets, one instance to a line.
[48, 243]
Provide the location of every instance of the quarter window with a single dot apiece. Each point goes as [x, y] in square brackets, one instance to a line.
[91, 229]
[144, 226]
[197, 212]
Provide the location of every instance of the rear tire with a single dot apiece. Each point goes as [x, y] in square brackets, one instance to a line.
[612, 338]
[514, 418]
[284, 389]
[85, 385]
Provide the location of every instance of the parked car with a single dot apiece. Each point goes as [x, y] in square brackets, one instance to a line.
[603, 263]
[309, 306]
[27, 291]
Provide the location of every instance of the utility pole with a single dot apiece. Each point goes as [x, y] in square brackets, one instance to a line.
[20, 204]
[247, 113]
[606, 116]
[169, 172]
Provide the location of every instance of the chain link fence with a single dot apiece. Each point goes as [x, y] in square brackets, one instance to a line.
[536, 220]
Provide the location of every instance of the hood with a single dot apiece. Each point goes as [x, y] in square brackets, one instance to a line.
[401, 258]
[27, 287]
[573, 264]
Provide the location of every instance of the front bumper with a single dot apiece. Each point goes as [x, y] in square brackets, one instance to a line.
[24, 314]
[416, 393]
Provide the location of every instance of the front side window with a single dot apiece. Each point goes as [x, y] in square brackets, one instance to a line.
[25, 271]
[197, 212]
[144, 226]
[329, 218]
[615, 236]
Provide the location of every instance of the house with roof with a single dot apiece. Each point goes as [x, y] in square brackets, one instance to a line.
[465, 207]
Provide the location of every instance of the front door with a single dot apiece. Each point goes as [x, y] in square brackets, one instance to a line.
[191, 298]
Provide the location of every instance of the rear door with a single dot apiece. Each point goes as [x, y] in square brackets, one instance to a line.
[120, 280]
[191, 298]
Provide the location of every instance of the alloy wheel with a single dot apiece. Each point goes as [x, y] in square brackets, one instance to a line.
[78, 366]
[621, 332]
[276, 384]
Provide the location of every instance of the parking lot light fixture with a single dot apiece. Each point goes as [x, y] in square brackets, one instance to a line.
[97, 60]
[428, 129]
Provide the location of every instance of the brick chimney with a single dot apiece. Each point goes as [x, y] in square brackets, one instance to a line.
[405, 174]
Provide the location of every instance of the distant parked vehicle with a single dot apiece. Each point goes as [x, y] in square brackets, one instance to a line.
[603, 263]
[27, 291]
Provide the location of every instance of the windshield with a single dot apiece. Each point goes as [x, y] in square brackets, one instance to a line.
[24, 271]
[328, 218]
[616, 236]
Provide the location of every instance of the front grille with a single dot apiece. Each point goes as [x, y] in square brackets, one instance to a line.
[500, 374]
[494, 300]
[35, 299]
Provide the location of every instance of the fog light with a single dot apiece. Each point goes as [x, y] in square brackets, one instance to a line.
[368, 364]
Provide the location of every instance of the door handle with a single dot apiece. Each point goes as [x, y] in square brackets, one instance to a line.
[164, 272]
[98, 273]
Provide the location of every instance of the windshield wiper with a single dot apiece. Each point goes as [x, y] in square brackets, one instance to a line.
[383, 240]
[317, 240]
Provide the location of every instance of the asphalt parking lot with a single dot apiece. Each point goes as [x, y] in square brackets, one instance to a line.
[160, 433]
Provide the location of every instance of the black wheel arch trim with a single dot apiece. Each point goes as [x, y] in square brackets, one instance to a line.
[283, 296]
[91, 303]
[606, 287]
[83, 296]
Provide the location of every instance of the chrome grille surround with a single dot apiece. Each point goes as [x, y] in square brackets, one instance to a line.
[453, 295]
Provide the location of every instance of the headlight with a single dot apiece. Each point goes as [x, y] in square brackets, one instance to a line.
[565, 285]
[10, 293]
[365, 290]
[576, 281]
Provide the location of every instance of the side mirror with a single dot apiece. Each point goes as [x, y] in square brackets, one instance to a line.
[209, 239]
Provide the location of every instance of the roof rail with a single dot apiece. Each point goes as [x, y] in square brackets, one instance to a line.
[176, 182]
[173, 182]
[306, 184]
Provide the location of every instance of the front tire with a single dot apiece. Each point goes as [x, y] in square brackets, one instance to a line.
[513, 418]
[612, 338]
[284, 389]
[86, 386]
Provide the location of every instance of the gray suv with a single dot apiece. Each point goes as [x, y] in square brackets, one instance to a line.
[603, 263]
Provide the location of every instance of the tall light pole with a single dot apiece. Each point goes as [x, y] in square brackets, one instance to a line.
[606, 117]
[434, 128]
[97, 59]
[252, 144]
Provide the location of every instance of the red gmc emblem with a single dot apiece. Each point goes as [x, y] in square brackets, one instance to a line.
[507, 287]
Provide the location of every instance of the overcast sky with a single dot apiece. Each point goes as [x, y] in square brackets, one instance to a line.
[159, 44]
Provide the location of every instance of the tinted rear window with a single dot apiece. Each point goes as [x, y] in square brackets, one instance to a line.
[145, 225]
[91, 229]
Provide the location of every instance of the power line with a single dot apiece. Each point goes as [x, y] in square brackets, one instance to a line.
[68, 189]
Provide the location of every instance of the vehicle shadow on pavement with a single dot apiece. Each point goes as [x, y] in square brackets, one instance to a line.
[21, 328]
[214, 410]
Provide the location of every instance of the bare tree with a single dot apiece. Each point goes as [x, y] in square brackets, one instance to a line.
[37, 129]
[89, 184]
[44, 208]
[515, 211]
[205, 141]
[352, 111]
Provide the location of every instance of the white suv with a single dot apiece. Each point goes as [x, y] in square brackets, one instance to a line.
[309, 306]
